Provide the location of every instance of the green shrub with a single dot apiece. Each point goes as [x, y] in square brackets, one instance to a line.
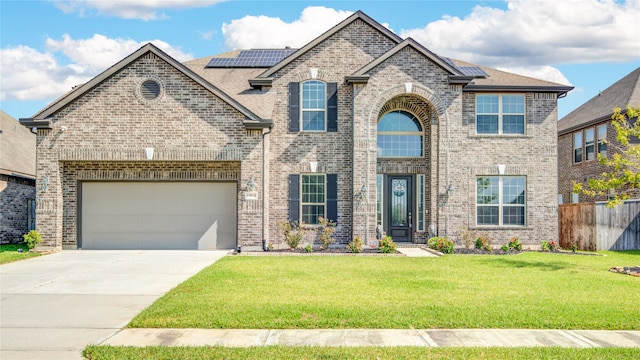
[327, 228]
[514, 243]
[505, 248]
[355, 246]
[441, 244]
[549, 246]
[293, 233]
[308, 248]
[386, 245]
[32, 239]
[483, 242]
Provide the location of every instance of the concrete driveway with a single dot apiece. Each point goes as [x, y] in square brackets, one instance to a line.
[52, 306]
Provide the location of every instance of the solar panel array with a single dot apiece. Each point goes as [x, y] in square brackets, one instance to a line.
[252, 58]
[474, 71]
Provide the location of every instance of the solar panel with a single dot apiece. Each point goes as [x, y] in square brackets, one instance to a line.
[252, 58]
[473, 71]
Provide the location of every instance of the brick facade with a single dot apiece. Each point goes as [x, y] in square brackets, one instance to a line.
[15, 194]
[198, 136]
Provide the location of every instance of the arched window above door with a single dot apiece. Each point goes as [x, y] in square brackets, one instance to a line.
[399, 135]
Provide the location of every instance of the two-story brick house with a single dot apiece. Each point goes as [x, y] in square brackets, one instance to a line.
[358, 125]
[587, 131]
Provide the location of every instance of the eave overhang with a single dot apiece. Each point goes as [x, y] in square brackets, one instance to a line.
[38, 124]
[257, 83]
[356, 79]
[258, 125]
[584, 124]
[456, 79]
[560, 90]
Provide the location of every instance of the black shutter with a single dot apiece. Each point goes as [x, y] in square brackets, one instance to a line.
[332, 106]
[294, 107]
[294, 197]
[332, 197]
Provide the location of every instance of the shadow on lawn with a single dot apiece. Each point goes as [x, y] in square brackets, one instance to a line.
[542, 265]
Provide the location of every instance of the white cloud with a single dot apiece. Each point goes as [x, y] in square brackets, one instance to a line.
[544, 72]
[28, 74]
[269, 32]
[538, 33]
[130, 9]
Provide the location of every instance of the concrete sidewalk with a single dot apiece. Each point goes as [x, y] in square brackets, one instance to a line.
[376, 337]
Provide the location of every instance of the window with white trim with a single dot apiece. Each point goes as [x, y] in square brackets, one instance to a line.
[577, 147]
[589, 145]
[420, 202]
[501, 200]
[602, 140]
[313, 197]
[379, 198]
[314, 105]
[500, 114]
[399, 135]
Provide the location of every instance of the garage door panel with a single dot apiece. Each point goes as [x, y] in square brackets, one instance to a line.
[158, 215]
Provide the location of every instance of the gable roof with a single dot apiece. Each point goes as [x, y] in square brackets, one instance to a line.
[409, 42]
[357, 15]
[41, 120]
[625, 91]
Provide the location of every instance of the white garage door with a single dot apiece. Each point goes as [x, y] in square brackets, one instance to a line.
[158, 215]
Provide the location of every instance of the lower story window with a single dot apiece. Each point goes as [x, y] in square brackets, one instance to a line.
[501, 200]
[313, 198]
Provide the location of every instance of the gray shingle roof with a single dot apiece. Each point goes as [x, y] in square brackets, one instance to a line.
[625, 91]
[17, 148]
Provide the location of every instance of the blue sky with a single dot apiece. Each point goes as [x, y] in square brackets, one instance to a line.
[46, 47]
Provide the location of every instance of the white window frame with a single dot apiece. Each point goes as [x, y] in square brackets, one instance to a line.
[577, 147]
[303, 203]
[324, 110]
[500, 205]
[590, 143]
[380, 198]
[601, 140]
[420, 203]
[501, 114]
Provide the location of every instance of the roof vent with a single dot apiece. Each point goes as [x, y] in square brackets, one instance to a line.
[150, 89]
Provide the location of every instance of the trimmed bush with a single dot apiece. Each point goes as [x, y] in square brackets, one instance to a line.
[386, 245]
[441, 244]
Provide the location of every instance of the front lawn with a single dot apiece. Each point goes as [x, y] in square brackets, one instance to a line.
[531, 290]
[9, 253]
[365, 353]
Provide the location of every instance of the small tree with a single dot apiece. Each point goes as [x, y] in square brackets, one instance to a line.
[32, 238]
[623, 177]
[325, 231]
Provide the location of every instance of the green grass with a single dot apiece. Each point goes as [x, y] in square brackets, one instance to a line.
[301, 353]
[530, 290]
[9, 253]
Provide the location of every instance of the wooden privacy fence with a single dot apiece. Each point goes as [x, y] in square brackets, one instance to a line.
[593, 226]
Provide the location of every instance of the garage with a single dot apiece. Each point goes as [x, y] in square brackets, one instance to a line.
[157, 215]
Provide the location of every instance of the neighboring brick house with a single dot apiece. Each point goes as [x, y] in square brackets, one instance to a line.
[358, 125]
[587, 131]
[17, 180]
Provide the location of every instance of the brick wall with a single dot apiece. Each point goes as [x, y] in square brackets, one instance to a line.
[15, 193]
[108, 128]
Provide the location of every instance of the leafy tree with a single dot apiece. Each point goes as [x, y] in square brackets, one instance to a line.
[623, 176]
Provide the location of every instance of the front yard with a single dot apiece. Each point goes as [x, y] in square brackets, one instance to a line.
[531, 290]
[10, 253]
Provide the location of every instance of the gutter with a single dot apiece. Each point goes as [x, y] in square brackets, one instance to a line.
[264, 187]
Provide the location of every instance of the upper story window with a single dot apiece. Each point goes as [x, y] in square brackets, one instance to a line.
[399, 135]
[589, 145]
[602, 140]
[577, 147]
[313, 105]
[500, 113]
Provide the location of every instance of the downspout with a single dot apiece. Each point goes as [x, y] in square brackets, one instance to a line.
[264, 188]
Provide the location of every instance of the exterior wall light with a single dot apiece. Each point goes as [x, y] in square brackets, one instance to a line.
[149, 153]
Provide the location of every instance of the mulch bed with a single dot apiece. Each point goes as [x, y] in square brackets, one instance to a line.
[464, 251]
[630, 270]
